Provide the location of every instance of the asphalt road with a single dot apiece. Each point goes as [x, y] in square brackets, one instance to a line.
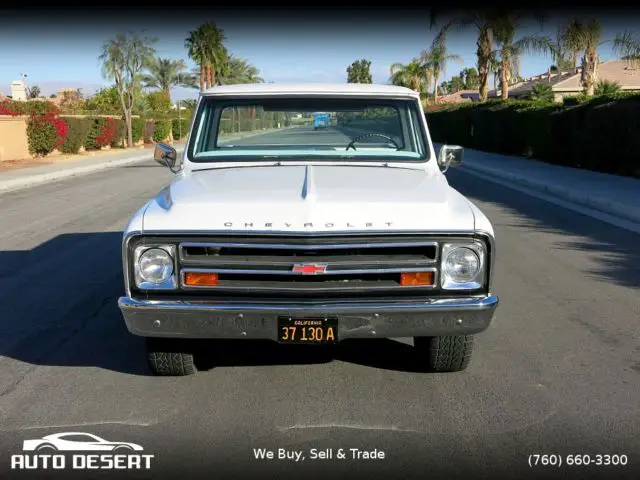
[300, 135]
[557, 373]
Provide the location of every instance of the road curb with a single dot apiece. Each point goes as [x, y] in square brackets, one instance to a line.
[606, 206]
[39, 179]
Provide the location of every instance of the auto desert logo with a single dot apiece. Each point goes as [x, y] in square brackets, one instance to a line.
[61, 451]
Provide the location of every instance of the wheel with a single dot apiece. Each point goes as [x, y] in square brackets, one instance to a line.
[445, 354]
[170, 357]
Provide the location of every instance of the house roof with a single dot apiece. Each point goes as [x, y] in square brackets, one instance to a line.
[619, 71]
[312, 89]
[461, 96]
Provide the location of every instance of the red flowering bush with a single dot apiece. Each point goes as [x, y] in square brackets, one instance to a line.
[6, 109]
[107, 132]
[45, 133]
[101, 133]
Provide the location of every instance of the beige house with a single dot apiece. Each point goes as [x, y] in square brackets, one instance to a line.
[566, 84]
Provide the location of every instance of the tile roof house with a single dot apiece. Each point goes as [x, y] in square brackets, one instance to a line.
[566, 84]
[462, 96]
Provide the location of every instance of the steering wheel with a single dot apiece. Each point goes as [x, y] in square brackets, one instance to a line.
[351, 143]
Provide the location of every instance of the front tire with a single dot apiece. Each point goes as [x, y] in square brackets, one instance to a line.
[170, 357]
[445, 354]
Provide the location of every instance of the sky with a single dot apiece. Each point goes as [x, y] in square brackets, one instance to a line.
[62, 52]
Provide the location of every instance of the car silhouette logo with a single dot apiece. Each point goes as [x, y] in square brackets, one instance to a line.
[77, 442]
[309, 268]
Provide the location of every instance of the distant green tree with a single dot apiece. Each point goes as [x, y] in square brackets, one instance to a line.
[34, 92]
[413, 75]
[457, 84]
[470, 78]
[105, 100]
[165, 73]
[123, 59]
[359, 72]
[240, 71]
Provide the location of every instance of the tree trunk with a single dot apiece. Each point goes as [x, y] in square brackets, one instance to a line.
[127, 120]
[435, 88]
[209, 76]
[212, 76]
[485, 42]
[202, 77]
[589, 75]
[504, 81]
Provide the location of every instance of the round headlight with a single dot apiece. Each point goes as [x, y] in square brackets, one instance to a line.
[155, 265]
[461, 265]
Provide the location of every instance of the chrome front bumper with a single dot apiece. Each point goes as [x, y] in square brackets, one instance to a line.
[357, 319]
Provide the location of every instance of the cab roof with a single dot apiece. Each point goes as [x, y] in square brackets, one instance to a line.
[365, 89]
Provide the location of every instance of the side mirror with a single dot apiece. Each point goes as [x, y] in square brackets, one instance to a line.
[166, 156]
[449, 155]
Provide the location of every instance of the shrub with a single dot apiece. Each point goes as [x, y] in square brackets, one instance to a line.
[78, 128]
[161, 130]
[177, 126]
[542, 92]
[6, 108]
[120, 134]
[137, 129]
[605, 87]
[100, 133]
[32, 107]
[45, 133]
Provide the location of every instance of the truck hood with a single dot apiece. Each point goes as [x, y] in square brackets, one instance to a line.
[306, 198]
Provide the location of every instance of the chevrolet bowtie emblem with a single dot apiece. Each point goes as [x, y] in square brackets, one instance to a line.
[309, 268]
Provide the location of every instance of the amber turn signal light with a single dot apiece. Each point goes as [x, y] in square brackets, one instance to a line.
[200, 279]
[409, 279]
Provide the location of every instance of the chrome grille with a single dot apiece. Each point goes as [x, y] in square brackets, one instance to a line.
[352, 265]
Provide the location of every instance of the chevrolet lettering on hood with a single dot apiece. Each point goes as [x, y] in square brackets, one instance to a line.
[273, 229]
[307, 225]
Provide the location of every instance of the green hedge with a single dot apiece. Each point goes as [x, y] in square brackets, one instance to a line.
[31, 107]
[95, 128]
[161, 130]
[600, 134]
[180, 125]
[137, 129]
[78, 129]
[42, 136]
[119, 138]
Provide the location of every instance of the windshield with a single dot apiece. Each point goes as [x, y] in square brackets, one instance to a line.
[289, 129]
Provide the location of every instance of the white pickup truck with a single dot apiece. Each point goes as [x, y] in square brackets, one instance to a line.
[272, 229]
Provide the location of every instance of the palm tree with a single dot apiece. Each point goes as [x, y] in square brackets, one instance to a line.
[215, 53]
[436, 58]
[571, 39]
[564, 56]
[485, 22]
[414, 75]
[164, 74]
[588, 35]
[627, 44]
[509, 50]
[240, 71]
[196, 49]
